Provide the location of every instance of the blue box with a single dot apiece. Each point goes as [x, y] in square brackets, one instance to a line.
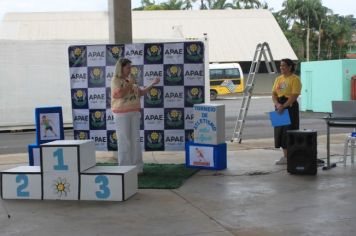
[34, 155]
[205, 156]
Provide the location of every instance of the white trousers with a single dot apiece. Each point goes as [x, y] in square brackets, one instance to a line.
[128, 139]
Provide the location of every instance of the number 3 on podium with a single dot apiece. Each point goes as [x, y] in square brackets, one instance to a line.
[103, 182]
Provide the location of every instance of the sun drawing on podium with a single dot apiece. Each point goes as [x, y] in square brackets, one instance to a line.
[61, 187]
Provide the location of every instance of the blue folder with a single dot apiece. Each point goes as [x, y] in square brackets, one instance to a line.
[279, 119]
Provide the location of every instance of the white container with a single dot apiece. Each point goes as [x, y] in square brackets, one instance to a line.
[68, 155]
[108, 183]
[209, 124]
[23, 182]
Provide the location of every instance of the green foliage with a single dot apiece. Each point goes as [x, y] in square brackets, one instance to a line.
[313, 31]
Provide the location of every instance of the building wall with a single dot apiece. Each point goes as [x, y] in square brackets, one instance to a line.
[33, 74]
[325, 81]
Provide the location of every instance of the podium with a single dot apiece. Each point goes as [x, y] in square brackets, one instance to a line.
[68, 171]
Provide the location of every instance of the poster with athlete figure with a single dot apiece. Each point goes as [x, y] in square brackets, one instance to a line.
[49, 124]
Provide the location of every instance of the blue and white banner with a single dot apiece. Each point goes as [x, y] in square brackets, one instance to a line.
[167, 109]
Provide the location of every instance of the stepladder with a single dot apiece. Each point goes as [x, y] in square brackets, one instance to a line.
[262, 52]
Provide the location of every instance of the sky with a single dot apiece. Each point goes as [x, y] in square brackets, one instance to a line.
[342, 7]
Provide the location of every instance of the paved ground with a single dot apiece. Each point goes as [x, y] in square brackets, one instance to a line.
[252, 197]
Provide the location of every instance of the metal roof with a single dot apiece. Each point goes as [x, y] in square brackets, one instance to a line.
[233, 34]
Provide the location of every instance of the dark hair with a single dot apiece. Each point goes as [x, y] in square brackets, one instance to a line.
[290, 63]
[124, 62]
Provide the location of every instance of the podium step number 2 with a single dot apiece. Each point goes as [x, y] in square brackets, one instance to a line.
[23, 182]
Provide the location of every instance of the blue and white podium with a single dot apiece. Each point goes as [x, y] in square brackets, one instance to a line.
[68, 171]
[209, 150]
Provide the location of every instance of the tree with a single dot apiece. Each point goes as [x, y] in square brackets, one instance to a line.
[220, 4]
[249, 4]
[305, 12]
[173, 5]
[147, 5]
[322, 14]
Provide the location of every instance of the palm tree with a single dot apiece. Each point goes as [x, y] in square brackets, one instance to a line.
[306, 12]
[173, 5]
[188, 4]
[215, 4]
[146, 5]
[322, 14]
[220, 4]
[247, 4]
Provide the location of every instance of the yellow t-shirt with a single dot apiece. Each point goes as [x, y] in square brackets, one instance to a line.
[286, 86]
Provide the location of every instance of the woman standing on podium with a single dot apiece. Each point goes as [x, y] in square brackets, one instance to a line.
[285, 91]
[125, 105]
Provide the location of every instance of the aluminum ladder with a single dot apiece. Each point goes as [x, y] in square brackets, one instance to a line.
[262, 49]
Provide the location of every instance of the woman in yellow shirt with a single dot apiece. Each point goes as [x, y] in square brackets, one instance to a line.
[285, 92]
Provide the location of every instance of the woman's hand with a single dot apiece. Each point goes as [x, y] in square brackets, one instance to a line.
[280, 108]
[156, 81]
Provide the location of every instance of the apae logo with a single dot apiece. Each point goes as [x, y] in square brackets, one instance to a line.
[174, 119]
[154, 97]
[77, 56]
[79, 98]
[194, 52]
[153, 53]
[194, 95]
[96, 77]
[82, 135]
[97, 119]
[114, 53]
[112, 141]
[154, 140]
[173, 74]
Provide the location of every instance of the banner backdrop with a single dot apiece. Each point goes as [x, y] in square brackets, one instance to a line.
[167, 109]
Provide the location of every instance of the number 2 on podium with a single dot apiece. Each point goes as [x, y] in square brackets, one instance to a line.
[23, 180]
[60, 163]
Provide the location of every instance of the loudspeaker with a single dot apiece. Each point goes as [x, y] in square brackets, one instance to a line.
[302, 152]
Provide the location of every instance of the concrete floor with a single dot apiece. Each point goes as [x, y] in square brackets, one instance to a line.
[252, 197]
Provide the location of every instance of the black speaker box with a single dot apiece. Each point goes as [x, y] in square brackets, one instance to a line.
[302, 152]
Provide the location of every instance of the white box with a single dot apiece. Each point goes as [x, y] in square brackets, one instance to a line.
[209, 124]
[60, 185]
[68, 155]
[108, 183]
[23, 182]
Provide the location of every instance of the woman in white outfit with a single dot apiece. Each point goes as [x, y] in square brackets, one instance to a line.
[125, 104]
